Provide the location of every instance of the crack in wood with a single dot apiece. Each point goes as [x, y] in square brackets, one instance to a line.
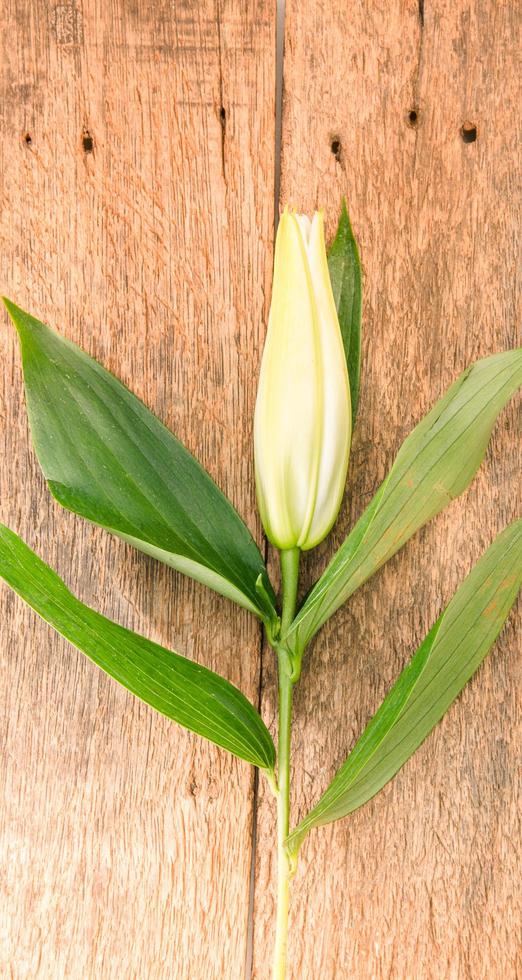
[280, 44]
[413, 116]
[280, 33]
[249, 958]
[222, 111]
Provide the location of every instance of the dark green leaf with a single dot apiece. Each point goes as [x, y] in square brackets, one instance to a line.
[451, 652]
[434, 465]
[195, 697]
[345, 275]
[106, 457]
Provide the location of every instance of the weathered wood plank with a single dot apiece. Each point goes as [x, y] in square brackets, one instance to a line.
[422, 881]
[137, 167]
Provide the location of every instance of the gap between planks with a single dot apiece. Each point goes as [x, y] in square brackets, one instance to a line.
[280, 43]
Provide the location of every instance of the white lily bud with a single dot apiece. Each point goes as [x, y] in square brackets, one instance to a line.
[303, 418]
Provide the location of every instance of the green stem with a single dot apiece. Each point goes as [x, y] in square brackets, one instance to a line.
[290, 580]
[290, 577]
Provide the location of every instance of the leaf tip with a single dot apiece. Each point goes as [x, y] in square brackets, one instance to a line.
[19, 317]
[11, 307]
[344, 216]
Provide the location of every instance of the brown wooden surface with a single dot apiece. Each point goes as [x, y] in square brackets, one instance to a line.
[424, 881]
[126, 843]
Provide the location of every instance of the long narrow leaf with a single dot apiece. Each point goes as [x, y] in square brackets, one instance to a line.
[434, 465]
[107, 457]
[345, 274]
[451, 652]
[189, 694]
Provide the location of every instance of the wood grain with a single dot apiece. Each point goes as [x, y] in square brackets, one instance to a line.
[137, 161]
[138, 218]
[422, 882]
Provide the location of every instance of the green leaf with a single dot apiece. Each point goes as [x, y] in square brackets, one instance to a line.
[450, 654]
[195, 697]
[434, 465]
[345, 275]
[106, 457]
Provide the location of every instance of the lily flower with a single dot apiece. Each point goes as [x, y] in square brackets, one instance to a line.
[302, 425]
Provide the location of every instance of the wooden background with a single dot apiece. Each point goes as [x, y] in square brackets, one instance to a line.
[138, 163]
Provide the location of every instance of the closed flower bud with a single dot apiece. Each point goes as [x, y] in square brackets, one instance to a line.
[302, 426]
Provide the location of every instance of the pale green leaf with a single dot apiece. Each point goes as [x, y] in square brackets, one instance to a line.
[434, 465]
[451, 652]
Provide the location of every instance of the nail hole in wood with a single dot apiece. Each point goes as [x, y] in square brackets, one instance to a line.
[28, 139]
[222, 114]
[468, 132]
[88, 143]
[335, 147]
[413, 117]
